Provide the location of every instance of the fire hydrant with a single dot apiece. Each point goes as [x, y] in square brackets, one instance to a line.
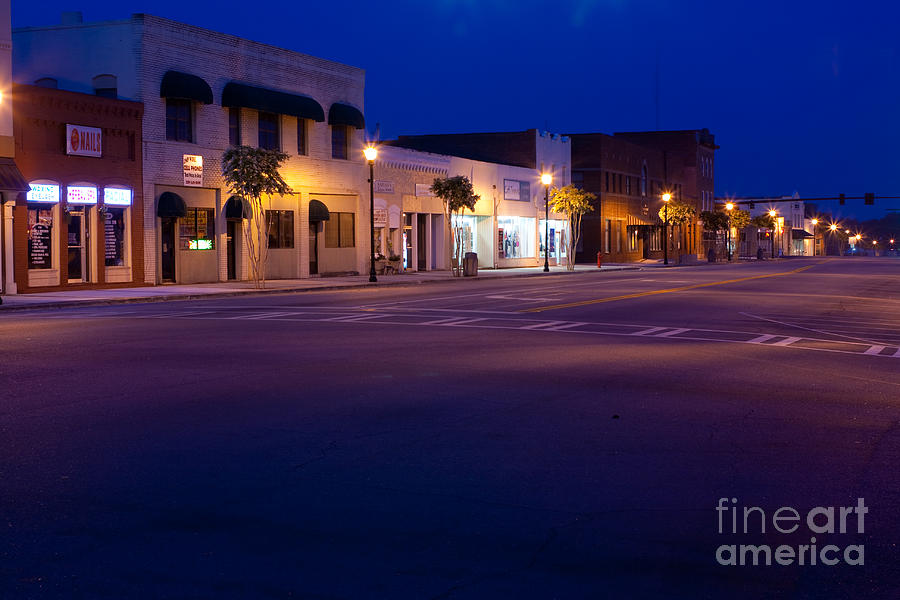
[599, 260]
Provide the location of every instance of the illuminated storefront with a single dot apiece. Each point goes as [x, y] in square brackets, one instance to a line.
[78, 228]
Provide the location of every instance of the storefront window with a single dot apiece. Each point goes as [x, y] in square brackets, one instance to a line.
[40, 234]
[280, 228]
[467, 227]
[197, 230]
[114, 236]
[516, 237]
[558, 239]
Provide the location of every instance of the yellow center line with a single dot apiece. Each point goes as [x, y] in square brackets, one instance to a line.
[666, 291]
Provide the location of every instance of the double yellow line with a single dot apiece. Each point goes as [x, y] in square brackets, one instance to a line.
[666, 291]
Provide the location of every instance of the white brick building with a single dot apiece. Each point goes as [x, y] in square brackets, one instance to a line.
[308, 107]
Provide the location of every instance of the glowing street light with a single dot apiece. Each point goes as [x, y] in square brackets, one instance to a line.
[665, 198]
[773, 213]
[546, 179]
[371, 153]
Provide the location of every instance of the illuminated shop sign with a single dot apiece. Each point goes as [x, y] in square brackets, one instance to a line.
[84, 141]
[200, 245]
[43, 192]
[78, 194]
[116, 197]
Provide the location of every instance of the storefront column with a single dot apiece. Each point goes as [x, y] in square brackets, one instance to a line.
[429, 243]
[414, 235]
[6, 223]
[302, 239]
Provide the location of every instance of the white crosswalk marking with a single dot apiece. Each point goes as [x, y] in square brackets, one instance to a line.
[650, 331]
[763, 338]
[786, 341]
[874, 350]
[673, 332]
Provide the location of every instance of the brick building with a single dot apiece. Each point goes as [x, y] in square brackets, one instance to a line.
[629, 172]
[204, 92]
[80, 225]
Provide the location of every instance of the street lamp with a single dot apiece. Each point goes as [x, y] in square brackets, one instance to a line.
[729, 206]
[815, 224]
[546, 179]
[773, 214]
[665, 198]
[371, 153]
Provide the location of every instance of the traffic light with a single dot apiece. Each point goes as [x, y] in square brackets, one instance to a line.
[841, 199]
[870, 198]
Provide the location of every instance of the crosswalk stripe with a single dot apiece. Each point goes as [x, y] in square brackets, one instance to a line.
[650, 331]
[763, 338]
[786, 341]
[874, 350]
[670, 333]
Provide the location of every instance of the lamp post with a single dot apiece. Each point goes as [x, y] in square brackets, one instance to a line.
[546, 179]
[729, 206]
[832, 228]
[665, 198]
[371, 153]
[773, 214]
[815, 224]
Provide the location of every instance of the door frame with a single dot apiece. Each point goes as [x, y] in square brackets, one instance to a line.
[168, 224]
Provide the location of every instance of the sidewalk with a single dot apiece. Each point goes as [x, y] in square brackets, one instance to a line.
[163, 293]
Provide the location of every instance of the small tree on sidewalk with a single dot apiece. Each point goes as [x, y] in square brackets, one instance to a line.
[457, 195]
[574, 203]
[252, 174]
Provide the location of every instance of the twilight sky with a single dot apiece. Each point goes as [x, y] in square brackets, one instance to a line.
[802, 96]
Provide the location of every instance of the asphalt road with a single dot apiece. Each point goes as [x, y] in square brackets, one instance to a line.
[567, 436]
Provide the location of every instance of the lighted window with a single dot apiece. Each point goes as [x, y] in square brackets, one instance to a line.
[114, 229]
[40, 237]
[179, 126]
[197, 231]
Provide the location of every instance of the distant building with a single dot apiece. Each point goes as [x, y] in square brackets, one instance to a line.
[203, 92]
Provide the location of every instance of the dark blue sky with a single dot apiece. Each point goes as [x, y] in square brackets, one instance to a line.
[802, 96]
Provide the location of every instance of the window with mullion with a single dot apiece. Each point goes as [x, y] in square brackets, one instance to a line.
[178, 120]
[301, 136]
[339, 139]
[234, 126]
[268, 131]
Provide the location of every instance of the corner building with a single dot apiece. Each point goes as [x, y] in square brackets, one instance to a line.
[203, 92]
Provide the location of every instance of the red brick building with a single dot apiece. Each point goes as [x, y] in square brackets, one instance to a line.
[80, 226]
[629, 172]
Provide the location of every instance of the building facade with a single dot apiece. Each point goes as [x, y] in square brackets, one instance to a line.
[80, 224]
[506, 229]
[204, 92]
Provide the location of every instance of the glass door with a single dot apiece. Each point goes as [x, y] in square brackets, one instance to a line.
[78, 245]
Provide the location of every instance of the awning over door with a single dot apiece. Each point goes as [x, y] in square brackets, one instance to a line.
[344, 114]
[800, 234]
[170, 205]
[248, 96]
[318, 211]
[11, 178]
[176, 84]
[237, 208]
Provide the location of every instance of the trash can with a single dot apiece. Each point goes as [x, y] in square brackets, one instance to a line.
[470, 265]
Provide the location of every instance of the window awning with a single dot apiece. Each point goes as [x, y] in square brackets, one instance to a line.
[800, 234]
[318, 211]
[633, 220]
[237, 208]
[11, 179]
[170, 205]
[344, 114]
[248, 96]
[176, 84]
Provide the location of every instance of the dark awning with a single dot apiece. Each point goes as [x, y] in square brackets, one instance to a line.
[237, 208]
[11, 178]
[344, 114]
[176, 84]
[318, 211]
[248, 96]
[800, 234]
[170, 205]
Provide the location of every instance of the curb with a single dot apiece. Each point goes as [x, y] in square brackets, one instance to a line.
[263, 292]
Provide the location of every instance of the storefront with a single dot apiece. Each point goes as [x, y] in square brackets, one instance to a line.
[558, 241]
[78, 225]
